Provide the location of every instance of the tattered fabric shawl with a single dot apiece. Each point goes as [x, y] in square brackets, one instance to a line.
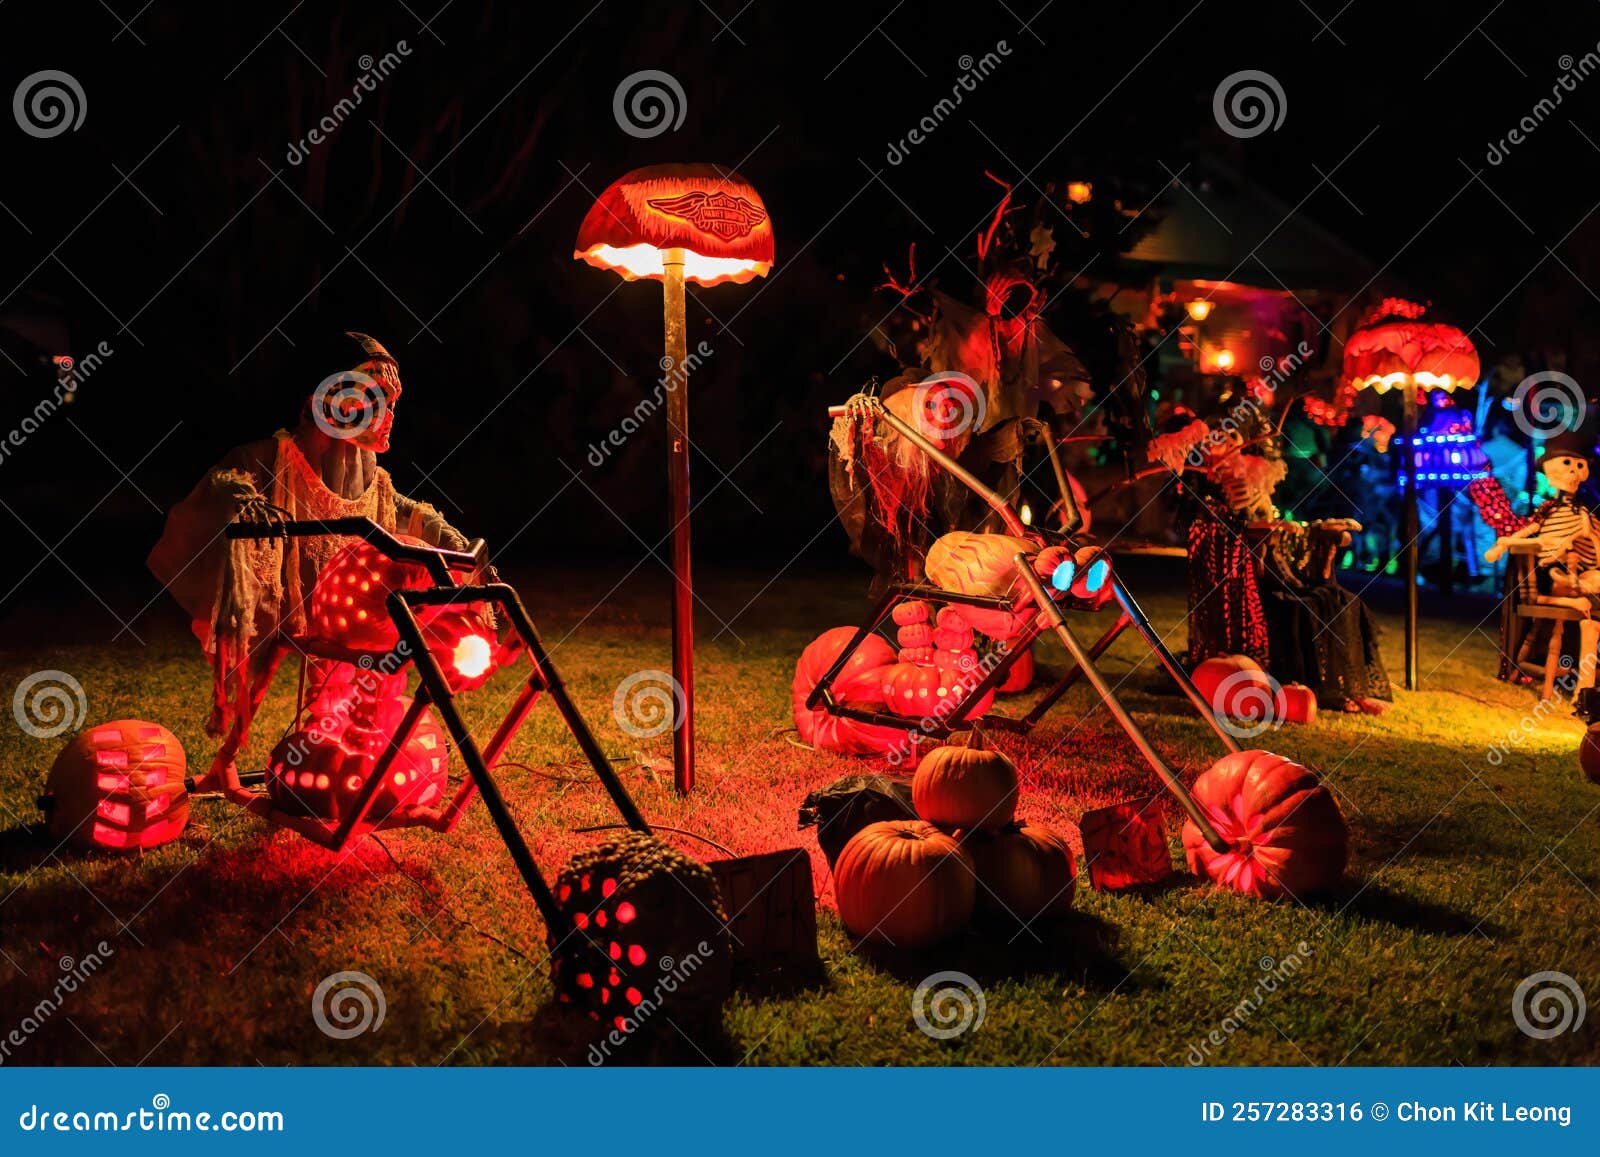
[710, 212]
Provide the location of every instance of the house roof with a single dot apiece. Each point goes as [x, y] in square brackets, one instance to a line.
[1218, 224]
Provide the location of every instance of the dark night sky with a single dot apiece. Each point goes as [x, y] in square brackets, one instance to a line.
[440, 216]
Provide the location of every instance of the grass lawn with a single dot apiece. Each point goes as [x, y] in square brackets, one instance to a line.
[1466, 875]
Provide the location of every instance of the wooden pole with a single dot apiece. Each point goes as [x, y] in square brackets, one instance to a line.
[1411, 530]
[677, 347]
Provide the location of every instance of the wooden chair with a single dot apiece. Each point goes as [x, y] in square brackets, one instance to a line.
[1524, 608]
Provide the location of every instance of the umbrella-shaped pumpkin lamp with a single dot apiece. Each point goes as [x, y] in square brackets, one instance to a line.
[1393, 348]
[676, 224]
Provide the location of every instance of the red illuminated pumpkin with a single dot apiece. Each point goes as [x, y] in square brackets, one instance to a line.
[977, 564]
[921, 692]
[316, 772]
[464, 644]
[119, 787]
[965, 787]
[904, 883]
[859, 685]
[1589, 753]
[917, 656]
[1235, 686]
[347, 603]
[1285, 832]
[1026, 872]
[915, 635]
[1020, 677]
[640, 921]
[910, 612]
[1296, 703]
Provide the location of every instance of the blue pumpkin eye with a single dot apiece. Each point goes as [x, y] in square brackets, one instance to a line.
[1063, 575]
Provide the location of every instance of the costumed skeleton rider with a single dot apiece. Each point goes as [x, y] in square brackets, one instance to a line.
[248, 598]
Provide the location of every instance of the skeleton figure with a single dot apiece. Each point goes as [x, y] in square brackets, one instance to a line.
[1569, 541]
[247, 599]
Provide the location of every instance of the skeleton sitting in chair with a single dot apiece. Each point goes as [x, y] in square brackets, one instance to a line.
[248, 599]
[1569, 542]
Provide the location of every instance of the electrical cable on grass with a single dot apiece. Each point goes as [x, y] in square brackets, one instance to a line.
[446, 909]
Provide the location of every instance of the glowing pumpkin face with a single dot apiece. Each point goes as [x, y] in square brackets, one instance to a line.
[347, 603]
[319, 773]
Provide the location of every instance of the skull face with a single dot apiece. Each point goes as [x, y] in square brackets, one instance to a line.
[1566, 472]
[1247, 482]
[374, 435]
[358, 405]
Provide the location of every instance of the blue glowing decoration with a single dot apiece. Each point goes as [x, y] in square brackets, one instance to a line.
[1095, 578]
[1061, 578]
[1448, 453]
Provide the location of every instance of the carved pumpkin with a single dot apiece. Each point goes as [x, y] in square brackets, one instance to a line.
[965, 787]
[859, 685]
[904, 883]
[931, 693]
[917, 656]
[1236, 686]
[638, 917]
[119, 787]
[915, 635]
[347, 603]
[317, 772]
[976, 564]
[1285, 829]
[1026, 871]
[1589, 753]
[906, 613]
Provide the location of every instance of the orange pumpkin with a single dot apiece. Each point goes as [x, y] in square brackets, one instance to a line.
[859, 685]
[1296, 703]
[1286, 834]
[965, 787]
[904, 883]
[976, 564]
[119, 787]
[1026, 871]
[1589, 753]
[922, 692]
[1235, 686]
[915, 611]
[1020, 677]
[915, 635]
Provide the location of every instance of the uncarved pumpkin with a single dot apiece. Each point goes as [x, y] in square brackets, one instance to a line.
[915, 611]
[119, 787]
[1589, 753]
[1025, 871]
[859, 685]
[915, 635]
[1285, 831]
[1235, 686]
[965, 787]
[1296, 703]
[904, 883]
[1020, 677]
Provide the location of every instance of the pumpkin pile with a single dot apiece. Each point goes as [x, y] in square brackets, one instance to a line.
[1238, 687]
[913, 883]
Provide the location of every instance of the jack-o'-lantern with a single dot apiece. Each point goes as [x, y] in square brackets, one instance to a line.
[931, 692]
[640, 922]
[347, 603]
[118, 787]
